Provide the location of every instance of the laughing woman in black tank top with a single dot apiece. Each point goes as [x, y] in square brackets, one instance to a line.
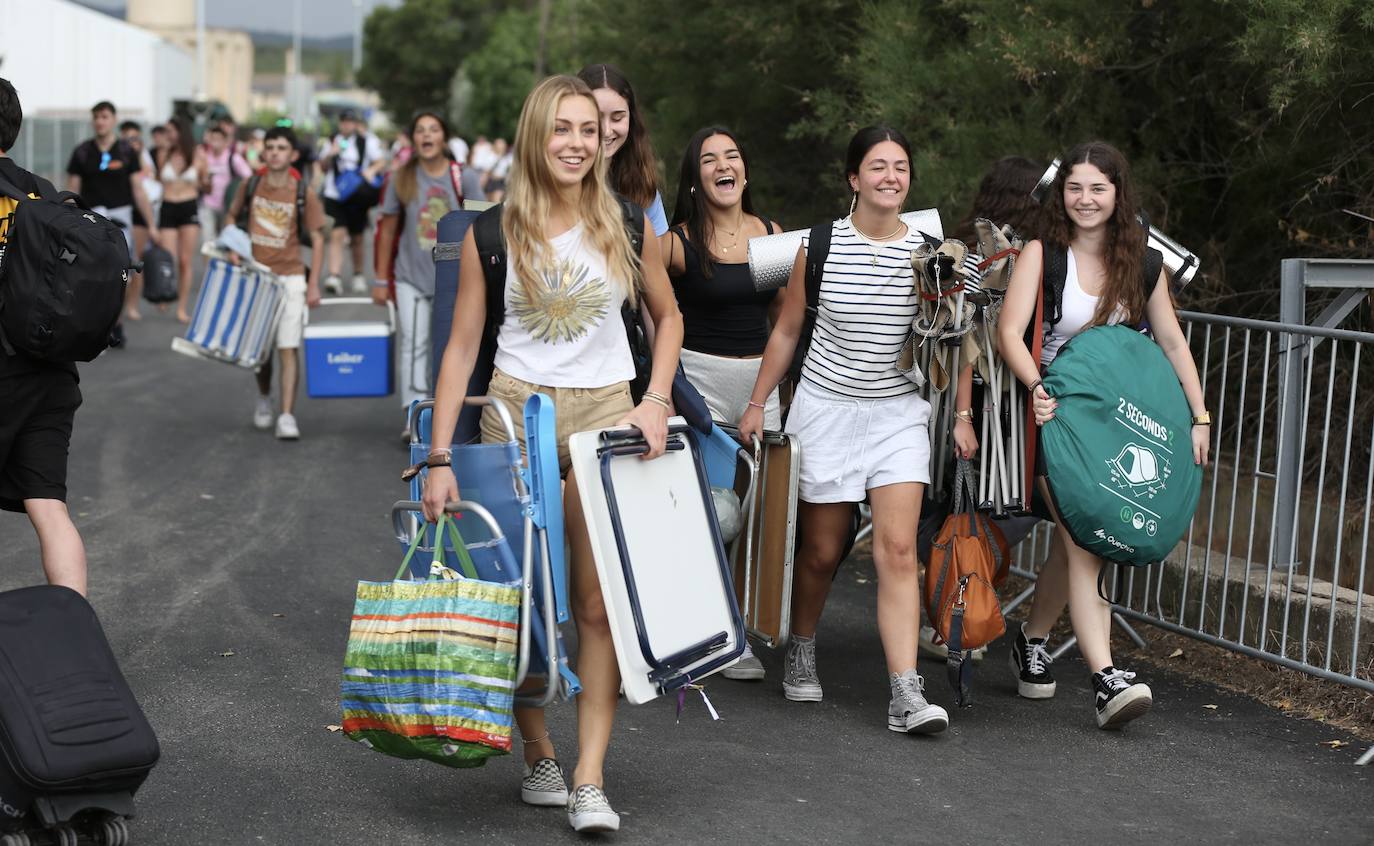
[725, 321]
[706, 252]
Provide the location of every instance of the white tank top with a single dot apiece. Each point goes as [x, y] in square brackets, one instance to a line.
[571, 335]
[1076, 312]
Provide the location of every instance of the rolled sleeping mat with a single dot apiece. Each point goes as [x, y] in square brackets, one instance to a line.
[771, 256]
[1181, 262]
[452, 229]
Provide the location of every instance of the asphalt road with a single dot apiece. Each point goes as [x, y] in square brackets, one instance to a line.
[223, 564]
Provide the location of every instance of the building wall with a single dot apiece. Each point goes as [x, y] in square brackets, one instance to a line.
[100, 58]
[162, 14]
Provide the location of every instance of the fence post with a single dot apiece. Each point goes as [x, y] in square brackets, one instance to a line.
[1292, 307]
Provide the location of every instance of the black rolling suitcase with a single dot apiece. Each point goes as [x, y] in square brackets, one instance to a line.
[74, 745]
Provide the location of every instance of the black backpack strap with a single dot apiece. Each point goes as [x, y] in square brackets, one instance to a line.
[817, 250]
[491, 251]
[245, 210]
[1056, 272]
[634, 224]
[302, 231]
[1154, 263]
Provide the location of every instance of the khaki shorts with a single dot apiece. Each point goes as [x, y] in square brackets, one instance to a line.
[293, 313]
[577, 410]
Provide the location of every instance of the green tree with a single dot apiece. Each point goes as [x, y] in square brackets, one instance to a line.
[412, 51]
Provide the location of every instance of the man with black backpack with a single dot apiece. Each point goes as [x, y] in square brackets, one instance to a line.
[38, 401]
[280, 215]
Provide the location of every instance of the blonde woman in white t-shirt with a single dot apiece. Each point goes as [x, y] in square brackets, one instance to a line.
[570, 268]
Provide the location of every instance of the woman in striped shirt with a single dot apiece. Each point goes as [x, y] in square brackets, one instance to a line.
[861, 422]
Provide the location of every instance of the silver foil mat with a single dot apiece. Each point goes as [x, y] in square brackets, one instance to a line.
[771, 256]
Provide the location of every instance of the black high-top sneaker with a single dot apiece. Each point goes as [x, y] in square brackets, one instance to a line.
[1119, 700]
[1030, 661]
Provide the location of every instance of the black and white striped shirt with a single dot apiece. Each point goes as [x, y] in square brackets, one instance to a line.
[867, 302]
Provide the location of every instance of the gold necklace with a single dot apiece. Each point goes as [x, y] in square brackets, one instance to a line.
[869, 239]
[734, 235]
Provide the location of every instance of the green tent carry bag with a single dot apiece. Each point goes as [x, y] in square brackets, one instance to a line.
[431, 665]
[1119, 451]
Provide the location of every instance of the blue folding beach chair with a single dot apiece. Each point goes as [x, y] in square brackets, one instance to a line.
[526, 503]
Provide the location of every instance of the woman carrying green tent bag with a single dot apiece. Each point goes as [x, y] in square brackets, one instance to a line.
[1091, 229]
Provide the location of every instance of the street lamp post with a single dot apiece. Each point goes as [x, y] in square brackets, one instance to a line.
[357, 35]
[202, 84]
[295, 106]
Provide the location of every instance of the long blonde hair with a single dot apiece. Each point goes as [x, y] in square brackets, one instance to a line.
[531, 186]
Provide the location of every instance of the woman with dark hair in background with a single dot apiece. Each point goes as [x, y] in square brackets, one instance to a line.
[634, 172]
[861, 420]
[421, 191]
[183, 172]
[1004, 197]
[1090, 219]
[725, 320]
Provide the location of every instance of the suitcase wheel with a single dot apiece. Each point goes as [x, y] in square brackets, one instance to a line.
[19, 839]
[116, 832]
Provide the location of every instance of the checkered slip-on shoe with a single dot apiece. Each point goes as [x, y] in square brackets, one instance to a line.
[543, 785]
[589, 810]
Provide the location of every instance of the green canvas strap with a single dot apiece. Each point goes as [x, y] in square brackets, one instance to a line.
[464, 558]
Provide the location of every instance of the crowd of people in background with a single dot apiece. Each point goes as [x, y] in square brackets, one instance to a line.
[170, 185]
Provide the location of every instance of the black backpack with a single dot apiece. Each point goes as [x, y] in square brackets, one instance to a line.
[63, 272]
[491, 250]
[245, 210]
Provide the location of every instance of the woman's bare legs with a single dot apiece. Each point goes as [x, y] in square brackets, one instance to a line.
[596, 661]
[188, 238]
[896, 513]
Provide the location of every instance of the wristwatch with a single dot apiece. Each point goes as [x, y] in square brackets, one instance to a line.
[1203, 419]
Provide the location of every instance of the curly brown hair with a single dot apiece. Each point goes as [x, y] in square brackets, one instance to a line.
[1126, 239]
[1004, 196]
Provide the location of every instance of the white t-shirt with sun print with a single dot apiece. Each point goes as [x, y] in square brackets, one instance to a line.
[570, 333]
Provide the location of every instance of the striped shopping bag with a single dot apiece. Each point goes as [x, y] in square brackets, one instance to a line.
[430, 667]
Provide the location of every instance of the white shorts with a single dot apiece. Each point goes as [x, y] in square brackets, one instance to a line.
[293, 313]
[850, 446]
[726, 384]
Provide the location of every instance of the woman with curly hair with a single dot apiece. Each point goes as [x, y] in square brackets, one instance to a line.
[1091, 222]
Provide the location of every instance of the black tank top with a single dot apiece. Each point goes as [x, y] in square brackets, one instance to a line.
[722, 315]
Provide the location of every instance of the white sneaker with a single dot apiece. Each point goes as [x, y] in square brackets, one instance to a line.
[909, 712]
[589, 810]
[360, 286]
[262, 415]
[287, 430]
[333, 285]
[748, 668]
[927, 646]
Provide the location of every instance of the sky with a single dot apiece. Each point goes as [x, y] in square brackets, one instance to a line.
[323, 18]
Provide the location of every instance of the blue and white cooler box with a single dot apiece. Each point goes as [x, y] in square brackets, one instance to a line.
[350, 358]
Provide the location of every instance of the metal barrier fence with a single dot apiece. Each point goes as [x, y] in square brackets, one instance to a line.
[46, 143]
[1276, 564]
